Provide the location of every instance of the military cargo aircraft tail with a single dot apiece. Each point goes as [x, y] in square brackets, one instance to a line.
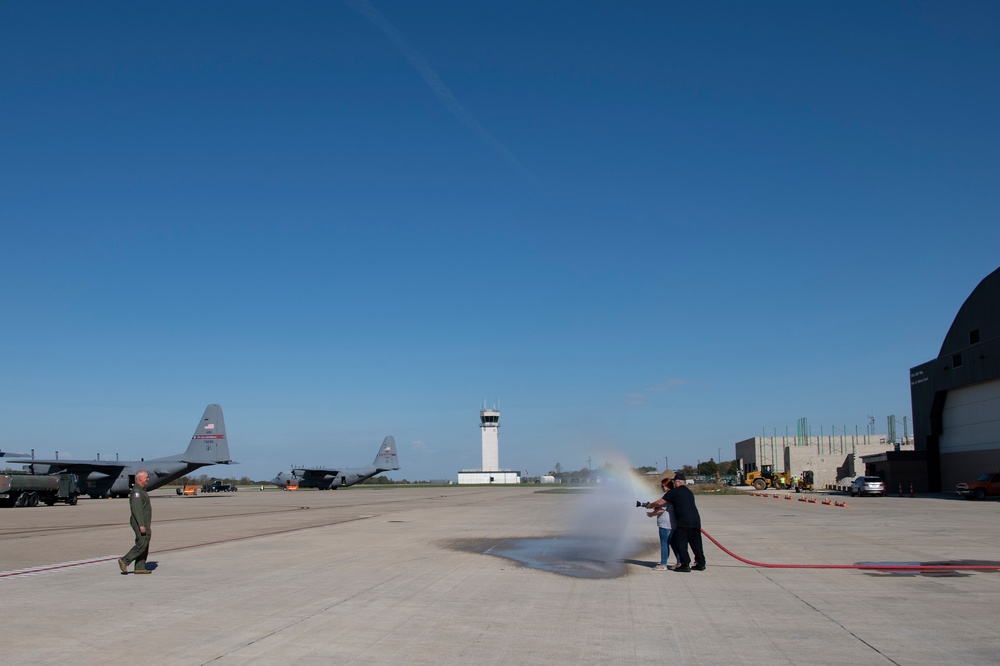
[386, 459]
[209, 445]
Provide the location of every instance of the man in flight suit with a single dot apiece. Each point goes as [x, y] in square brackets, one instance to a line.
[142, 515]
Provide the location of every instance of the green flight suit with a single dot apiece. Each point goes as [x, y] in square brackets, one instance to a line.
[142, 515]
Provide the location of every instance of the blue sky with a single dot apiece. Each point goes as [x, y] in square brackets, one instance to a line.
[656, 228]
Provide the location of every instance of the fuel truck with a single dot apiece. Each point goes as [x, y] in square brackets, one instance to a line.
[30, 489]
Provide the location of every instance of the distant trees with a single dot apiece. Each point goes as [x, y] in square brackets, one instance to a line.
[584, 475]
[708, 468]
[589, 475]
[380, 481]
[205, 479]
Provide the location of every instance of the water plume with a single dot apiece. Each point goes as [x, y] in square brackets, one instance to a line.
[606, 529]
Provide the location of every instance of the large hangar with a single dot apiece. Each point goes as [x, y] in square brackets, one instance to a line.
[956, 396]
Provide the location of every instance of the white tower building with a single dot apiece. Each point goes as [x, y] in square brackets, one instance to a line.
[489, 423]
[490, 472]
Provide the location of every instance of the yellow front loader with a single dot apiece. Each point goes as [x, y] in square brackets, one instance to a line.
[768, 478]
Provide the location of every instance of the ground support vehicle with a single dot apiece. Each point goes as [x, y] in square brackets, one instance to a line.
[768, 478]
[30, 489]
[219, 487]
[988, 485]
[804, 482]
[188, 489]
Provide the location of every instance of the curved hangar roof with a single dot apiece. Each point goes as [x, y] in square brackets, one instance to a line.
[978, 319]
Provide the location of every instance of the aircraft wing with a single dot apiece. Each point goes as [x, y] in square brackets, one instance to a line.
[11, 454]
[85, 469]
[315, 473]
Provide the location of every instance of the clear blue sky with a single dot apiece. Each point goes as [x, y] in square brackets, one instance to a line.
[650, 227]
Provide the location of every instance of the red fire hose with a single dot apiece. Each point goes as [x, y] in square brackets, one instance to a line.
[871, 566]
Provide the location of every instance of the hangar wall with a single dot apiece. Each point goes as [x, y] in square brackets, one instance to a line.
[952, 395]
[970, 432]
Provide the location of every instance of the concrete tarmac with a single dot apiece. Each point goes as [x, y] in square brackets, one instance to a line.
[405, 576]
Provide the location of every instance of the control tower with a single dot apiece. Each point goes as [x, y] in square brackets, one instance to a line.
[490, 472]
[489, 423]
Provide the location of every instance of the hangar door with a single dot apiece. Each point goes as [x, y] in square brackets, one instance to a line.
[971, 419]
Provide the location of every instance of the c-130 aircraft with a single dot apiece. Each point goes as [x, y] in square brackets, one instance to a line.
[331, 478]
[114, 478]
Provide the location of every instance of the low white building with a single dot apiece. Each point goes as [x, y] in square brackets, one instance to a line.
[469, 476]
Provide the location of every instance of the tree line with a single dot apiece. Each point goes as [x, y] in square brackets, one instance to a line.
[708, 468]
[205, 479]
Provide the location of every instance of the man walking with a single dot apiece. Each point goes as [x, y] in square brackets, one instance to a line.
[142, 516]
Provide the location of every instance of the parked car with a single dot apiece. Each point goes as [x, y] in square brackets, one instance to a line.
[867, 485]
[988, 485]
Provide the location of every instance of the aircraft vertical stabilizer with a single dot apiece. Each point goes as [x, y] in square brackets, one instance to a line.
[386, 458]
[209, 443]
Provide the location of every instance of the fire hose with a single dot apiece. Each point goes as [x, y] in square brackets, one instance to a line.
[869, 566]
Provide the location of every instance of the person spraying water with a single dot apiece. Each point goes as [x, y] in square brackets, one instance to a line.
[687, 530]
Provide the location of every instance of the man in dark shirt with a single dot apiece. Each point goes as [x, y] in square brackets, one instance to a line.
[142, 516]
[687, 530]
